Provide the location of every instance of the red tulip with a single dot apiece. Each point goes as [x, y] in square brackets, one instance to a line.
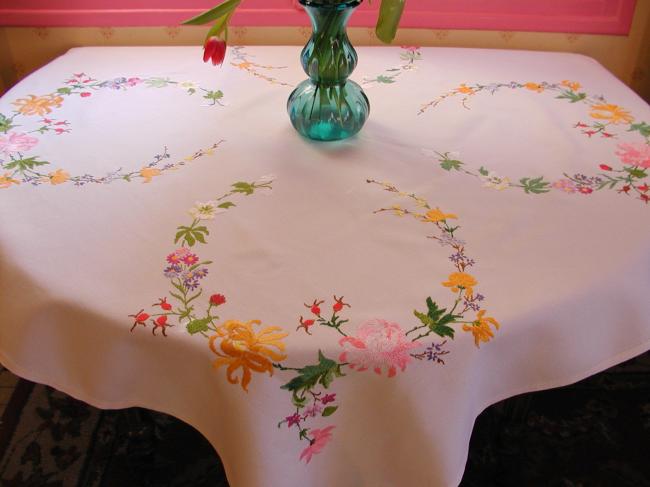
[215, 50]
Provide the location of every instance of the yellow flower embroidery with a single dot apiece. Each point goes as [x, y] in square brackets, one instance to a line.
[242, 348]
[243, 65]
[466, 90]
[436, 215]
[149, 172]
[534, 87]
[459, 281]
[572, 85]
[480, 328]
[38, 105]
[59, 176]
[613, 113]
[6, 180]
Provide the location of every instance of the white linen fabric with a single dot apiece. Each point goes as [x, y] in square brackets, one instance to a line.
[510, 188]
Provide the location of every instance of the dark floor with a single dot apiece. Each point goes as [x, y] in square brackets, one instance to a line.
[591, 434]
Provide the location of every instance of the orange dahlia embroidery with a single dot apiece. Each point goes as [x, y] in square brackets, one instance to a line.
[148, 173]
[534, 87]
[613, 113]
[480, 328]
[466, 90]
[461, 281]
[242, 348]
[572, 85]
[58, 177]
[38, 105]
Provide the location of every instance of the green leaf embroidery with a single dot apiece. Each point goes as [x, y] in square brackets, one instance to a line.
[323, 373]
[535, 185]
[198, 326]
[191, 234]
[442, 330]
[572, 96]
[25, 164]
[449, 164]
[642, 127]
[384, 79]
[242, 187]
[483, 172]
[437, 319]
[5, 124]
[329, 410]
[64, 91]
[213, 95]
[635, 172]
[226, 204]
[158, 82]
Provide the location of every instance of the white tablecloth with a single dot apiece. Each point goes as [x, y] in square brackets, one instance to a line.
[486, 234]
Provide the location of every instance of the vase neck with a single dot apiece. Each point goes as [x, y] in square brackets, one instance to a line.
[328, 57]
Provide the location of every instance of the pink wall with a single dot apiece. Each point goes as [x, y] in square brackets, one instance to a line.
[575, 16]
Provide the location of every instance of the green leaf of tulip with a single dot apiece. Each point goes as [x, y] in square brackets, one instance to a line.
[390, 14]
[215, 13]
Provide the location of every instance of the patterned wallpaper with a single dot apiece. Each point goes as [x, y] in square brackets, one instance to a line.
[24, 49]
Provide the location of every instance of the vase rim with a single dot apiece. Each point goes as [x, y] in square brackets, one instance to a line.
[327, 4]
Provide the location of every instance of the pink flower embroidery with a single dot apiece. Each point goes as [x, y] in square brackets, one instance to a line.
[378, 344]
[313, 410]
[327, 398]
[636, 154]
[16, 142]
[565, 185]
[320, 438]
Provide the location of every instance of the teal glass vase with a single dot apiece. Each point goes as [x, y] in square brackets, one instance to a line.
[328, 106]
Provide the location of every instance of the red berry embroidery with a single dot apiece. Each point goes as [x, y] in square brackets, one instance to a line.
[217, 299]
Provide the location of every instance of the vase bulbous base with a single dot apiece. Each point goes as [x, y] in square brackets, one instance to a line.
[331, 112]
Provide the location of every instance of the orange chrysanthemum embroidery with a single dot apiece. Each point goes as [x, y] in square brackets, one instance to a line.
[243, 348]
[461, 281]
[480, 328]
[38, 105]
[6, 180]
[437, 215]
[612, 113]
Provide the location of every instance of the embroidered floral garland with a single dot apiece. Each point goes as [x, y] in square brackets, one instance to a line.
[381, 345]
[629, 175]
[19, 167]
[409, 56]
[239, 345]
[243, 62]
[247, 347]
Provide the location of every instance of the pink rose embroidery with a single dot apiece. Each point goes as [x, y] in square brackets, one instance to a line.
[320, 438]
[16, 142]
[636, 154]
[565, 185]
[379, 344]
